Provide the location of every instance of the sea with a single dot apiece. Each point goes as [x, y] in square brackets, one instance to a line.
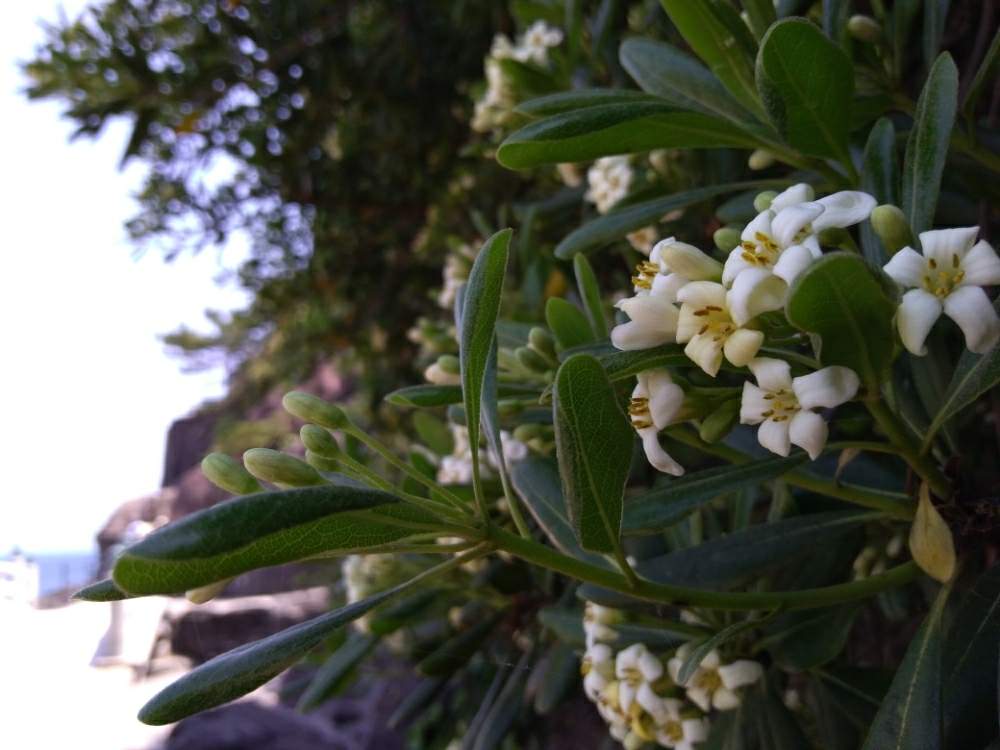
[61, 570]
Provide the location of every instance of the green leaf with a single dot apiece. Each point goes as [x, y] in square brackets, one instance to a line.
[504, 711]
[585, 134]
[760, 14]
[878, 177]
[806, 82]
[910, 716]
[590, 293]
[664, 506]
[566, 624]
[666, 72]
[839, 298]
[267, 528]
[594, 445]
[927, 146]
[620, 221]
[562, 672]
[402, 612]
[835, 18]
[805, 640]
[703, 648]
[569, 325]
[331, 676]
[982, 75]
[720, 38]
[935, 13]
[244, 669]
[428, 396]
[457, 650]
[975, 374]
[904, 14]
[568, 101]
[770, 722]
[622, 365]
[101, 591]
[433, 433]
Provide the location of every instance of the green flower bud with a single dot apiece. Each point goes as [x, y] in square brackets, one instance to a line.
[890, 224]
[204, 594]
[450, 364]
[864, 28]
[760, 159]
[228, 474]
[542, 341]
[319, 441]
[321, 463]
[763, 200]
[280, 468]
[526, 432]
[531, 359]
[310, 408]
[726, 238]
[717, 425]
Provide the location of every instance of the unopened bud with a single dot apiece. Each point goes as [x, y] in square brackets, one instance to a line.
[688, 261]
[718, 424]
[763, 200]
[321, 463]
[726, 238]
[204, 594]
[280, 468]
[864, 28]
[531, 359]
[226, 473]
[526, 432]
[760, 159]
[319, 441]
[437, 375]
[449, 363]
[890, 224]
[541, 341]
[310, 408]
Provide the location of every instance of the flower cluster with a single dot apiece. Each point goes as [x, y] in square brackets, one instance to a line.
[608, 181]
[639, 693]
[457, 468]
[366, 575]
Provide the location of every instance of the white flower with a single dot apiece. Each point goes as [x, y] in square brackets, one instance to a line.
[947, 278]
[655, 403]
[598, 668]
[569, 173]
[687, 260]
[502, 47]
[535, 43]
[635, 666]
[783, 406]
[713, 685]
[642, 239]
[711, 328]
[677, 732]
[597, 622]
[455, 470]
[608, 179]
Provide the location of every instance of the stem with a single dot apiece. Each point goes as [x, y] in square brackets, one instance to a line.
[547, 557]
[871, 446]
[908, 447]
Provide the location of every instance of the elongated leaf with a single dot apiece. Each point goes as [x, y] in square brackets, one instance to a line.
[255, 531]
[839, 298]
[428, 396]
[101, 591]
[806, 83]
[332, 674]
[617, 223]
[569, 326]
[594, 446]
[878, 178]
[567, 101]
[622, 365]
[990, 59]
[975, 374]
[761, 14]
[927, 146]
[457, 650]
[608, 129]
[590, 293]
[910, 716]
[935, 12]
[477, 333]
[653, 511]
[835, 18]
[664, 71]
[562, 672]
[703, 648]
[244, 669]
[805, 640]
[720, 38]
[502, 714]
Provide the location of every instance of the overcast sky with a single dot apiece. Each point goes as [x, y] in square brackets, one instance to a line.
[88, 388]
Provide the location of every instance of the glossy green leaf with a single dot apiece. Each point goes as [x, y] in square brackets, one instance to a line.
[101, 591]
[839, 298]
[331, 676]
[927, 146]
[878, 178]
[664, 71]
[403, 611]
[244, 669]
[433, 433]
[268, 528]
[720, 38]
[566, 624]
[590, 293]
[806, 83]
[760, 15]
[592, 132]
[805, 640]
[429, 396]
[594, 445]
[498, 722]
[703, 648]
[975, 374]
[569, 325]
[562, 673]
[621, 365]
[452, 655]
[935, 13]
[664, 506]
[568, 101]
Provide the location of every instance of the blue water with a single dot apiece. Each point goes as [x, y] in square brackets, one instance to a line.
[64, 569]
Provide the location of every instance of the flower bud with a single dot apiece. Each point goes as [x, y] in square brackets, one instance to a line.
[310, 408]
[689, 261]
[321, 463]
[526, 432]
[449, 363]
[319, 441]
[226, 473]
[726, 238]
[864, 28]
[531, 359]
[760, 159]
[542, 342]
[763, 200]
[204, 594]
[891, 226]
[280, 468]
[717, 425]
[439, 376]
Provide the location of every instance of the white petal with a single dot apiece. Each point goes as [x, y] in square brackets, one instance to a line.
[742, 345]
[658, 458]
[800, 193]
[917, 312]
[790, 220]
[808, 430]
[725, 700]
[633, 336]
[665, 396]
[792, 262]
[760, 223]
[907, 267]
[710, 660]
[695, 730]
[701, 698]
[755, 291]
[753, 405]
[771, 374]
[774, 436]
[626, 694]
[702, 293]
[828, 387]
[593, 684]
[674, 665]
[650, 666]
[971, 309]
[735, 265]
[941, 244]
[740, 673]
[981, 265]
[688, 324]
[705, 352]
[844, 209]
[652, 704]
[666, 285]
[689, 261]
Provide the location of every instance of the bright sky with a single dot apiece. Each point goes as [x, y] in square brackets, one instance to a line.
[88, 388]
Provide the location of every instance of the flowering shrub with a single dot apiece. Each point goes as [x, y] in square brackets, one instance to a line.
[779, 359]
